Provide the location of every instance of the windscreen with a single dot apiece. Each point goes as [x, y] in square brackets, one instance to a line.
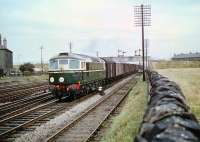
[63, 62]
[53, 64]
[74, 64]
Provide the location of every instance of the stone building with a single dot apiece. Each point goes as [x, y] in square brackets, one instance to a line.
[6, 57]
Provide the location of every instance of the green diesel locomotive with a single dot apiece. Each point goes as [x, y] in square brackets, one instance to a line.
[72, 75]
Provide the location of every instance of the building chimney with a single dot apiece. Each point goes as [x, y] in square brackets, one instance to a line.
[4, 43]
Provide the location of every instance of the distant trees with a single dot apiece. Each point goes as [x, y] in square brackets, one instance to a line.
[27, 68]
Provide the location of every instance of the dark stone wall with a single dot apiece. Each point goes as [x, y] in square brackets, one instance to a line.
[168, 117]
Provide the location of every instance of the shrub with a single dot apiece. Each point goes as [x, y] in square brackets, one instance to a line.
[27, 68]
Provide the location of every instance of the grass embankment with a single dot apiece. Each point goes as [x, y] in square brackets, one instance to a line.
[176, 64]
[189, 81]
[24, 79]
[125, 126]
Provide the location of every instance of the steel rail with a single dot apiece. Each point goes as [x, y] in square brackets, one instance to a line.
[9, 88]
[19, 93]
[49, 112]
[26, 89]
[28, 111]
[15, 103]
[26, 106]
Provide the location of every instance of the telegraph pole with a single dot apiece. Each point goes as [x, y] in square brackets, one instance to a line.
[70, 47]
[41, 48]
[135, 52]
[118, 51]
[139, 52]
[146, 47]
[142, 15]
[97, 53]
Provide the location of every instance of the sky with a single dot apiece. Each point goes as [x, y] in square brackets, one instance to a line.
[97, 25]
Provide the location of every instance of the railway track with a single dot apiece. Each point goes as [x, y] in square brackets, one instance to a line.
[14, 126]
[15, 94]
[106, 125]
[22, 120]
[17, 123]
[21, 105]
[87, 123]
[14, 87]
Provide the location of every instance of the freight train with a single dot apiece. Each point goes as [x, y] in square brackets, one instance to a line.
[72, 75]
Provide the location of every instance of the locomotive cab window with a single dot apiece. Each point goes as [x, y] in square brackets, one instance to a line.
[53, 64]
[63, 64]
[74, 64]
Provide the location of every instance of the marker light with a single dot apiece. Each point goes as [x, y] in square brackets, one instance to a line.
[51, 79]
[61, 79]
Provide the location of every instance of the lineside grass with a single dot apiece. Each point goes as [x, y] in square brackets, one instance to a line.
[176, 64]
[125, 126]
[189, 81]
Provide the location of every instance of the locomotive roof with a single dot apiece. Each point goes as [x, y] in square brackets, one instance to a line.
[86, 58]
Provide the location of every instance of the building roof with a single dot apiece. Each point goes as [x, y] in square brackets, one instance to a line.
[190, 55]
[6, 49]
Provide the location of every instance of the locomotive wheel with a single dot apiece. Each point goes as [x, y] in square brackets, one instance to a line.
[59, 95]
[60, 98]
[83, 91]
[73, 96]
